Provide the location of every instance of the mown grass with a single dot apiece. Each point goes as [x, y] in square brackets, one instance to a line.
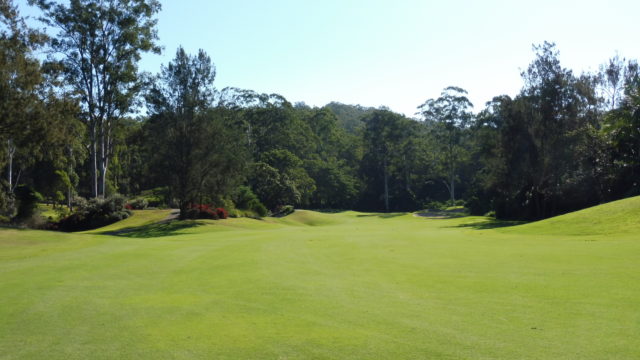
[341, 286]
[139, 218]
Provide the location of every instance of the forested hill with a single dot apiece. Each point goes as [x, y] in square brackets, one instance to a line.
[349, 116]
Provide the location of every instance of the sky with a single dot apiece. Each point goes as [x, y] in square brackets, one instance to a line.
[394, 53]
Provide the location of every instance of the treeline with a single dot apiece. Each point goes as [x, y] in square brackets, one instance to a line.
[564, 142]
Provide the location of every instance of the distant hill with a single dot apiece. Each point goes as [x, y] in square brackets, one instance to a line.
[349, 115]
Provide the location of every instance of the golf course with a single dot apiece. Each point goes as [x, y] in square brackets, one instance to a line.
[317, 285]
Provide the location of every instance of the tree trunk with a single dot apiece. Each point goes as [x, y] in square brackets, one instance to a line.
[453, 190]
[11, 150]
[69, 194]
[386, 186]
[101, 165]
[183, 210]
[94, 166]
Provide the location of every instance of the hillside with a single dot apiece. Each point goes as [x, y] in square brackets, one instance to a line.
[617, 217]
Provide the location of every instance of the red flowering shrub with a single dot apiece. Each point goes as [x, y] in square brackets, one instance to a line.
[128, 206]
[202, 211]
[222, 213]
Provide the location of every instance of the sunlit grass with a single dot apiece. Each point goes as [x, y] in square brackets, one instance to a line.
[314, 285]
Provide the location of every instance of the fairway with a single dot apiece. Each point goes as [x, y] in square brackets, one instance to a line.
[327, 286]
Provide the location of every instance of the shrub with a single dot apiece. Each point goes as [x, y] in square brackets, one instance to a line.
[192, 213]
[435, 206]
[138, 204]
[78, 202]
[260, 209]
[477, 206]
[491, 214]
[245, 199]
[7, 203]
[284, 210]
[222, 213]
[27, 202]
[95, 213]
[202, 211]
[235, 213]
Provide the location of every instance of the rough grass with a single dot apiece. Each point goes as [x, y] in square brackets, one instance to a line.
[340, 286]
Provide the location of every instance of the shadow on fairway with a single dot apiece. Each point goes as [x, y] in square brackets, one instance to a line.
[328, 211]
[383, 215]
[489, 224]
[440, 215]
[155, 230]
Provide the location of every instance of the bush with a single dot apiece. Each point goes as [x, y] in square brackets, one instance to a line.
[202, 211]
[7, 203]
[95, 213]
[245, 199]
[260, 209]
[222, 213]
[27, 202]
[235, 213]
[435, 206]
[477, 206]
[156, 197]
[138, 204]
[283, 210]
[78, 202]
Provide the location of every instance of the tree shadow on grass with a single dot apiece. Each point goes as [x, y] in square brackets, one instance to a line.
[442, 214]
[155, 230]
[382, 215]
[490, 224]
[328, 211]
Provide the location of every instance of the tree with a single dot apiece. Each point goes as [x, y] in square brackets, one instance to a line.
[613, 78]
[99, 45]
[327, 163]
[622, 128]
[20, 82]
[384, 135]
[448, 116]
[294, 186]
[542, 155]
[193, 147]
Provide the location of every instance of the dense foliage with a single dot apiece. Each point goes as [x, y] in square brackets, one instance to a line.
[95, 213]
[565, 142]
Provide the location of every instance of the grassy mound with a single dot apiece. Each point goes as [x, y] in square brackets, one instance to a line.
[309, 218]
[617, 217]
[137, 219]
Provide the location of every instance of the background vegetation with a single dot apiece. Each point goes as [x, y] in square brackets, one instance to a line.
[84, 121]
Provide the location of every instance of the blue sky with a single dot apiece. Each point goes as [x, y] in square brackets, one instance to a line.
[393, 53]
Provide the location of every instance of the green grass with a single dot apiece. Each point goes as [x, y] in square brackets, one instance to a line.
[327, 286]
[138, 219]
[618, 217]
[48, 211]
